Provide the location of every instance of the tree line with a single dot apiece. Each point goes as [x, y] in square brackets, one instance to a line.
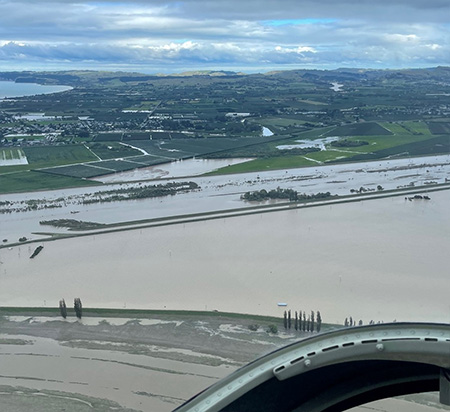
[301, 322]
[280, 193]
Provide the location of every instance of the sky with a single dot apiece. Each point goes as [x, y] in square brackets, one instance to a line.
[158, 36]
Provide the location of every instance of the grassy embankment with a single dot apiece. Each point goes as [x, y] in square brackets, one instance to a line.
[151, 313]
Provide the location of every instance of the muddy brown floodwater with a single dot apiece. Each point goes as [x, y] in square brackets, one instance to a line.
[380, 260]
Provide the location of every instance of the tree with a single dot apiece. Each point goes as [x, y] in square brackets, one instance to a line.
[319, 321]
[346, 322]
[63, 308]
[312, 321]
[285, 323]
[308, 324]
[78, 307]
[289, 319]
[296, 321]
[304, 322]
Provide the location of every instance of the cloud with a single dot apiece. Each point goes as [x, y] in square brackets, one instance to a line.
[245, 33]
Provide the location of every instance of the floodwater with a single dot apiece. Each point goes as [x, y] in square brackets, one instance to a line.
[180, 168]
[220, 192]
[305, 144]
[380, 260]
[134, 381]
[266, 132]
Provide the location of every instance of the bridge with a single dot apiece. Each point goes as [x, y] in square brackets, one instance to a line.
[336, 371]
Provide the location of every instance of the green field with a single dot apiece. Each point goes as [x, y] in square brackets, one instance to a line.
[417, 127]
[30, 181]
[395, 128]
[260, 165]
[439, 127]
[22, 178]
[434, 145]
[328, 155]
[359, 129]
[112, 150]
[81, 171]
[379, 146]
[46, 156]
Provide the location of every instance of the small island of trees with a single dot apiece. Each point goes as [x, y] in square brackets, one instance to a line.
[279, 193]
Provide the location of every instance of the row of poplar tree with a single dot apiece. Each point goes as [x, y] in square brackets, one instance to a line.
[302, 323]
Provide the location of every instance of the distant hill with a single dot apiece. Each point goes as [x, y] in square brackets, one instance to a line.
[88, 77]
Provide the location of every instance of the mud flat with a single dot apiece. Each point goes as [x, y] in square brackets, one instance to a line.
[149, 362]
[121, 363]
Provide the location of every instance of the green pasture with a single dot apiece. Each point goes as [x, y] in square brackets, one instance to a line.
[417, 127]
[259, 165]
[280, 122]
[359, 129]
[385, 142]
[112, 150]
[317, 133]
[50, 156]
[439, 127]
[433, 145]
[46, 156]
[395, 128]
[329, 155]
[28, 181]
[144, 105]
[78, 171]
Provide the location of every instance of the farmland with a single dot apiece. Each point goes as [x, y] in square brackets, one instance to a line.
[113, 122]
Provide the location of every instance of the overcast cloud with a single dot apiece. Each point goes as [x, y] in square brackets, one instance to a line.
[253, 35]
